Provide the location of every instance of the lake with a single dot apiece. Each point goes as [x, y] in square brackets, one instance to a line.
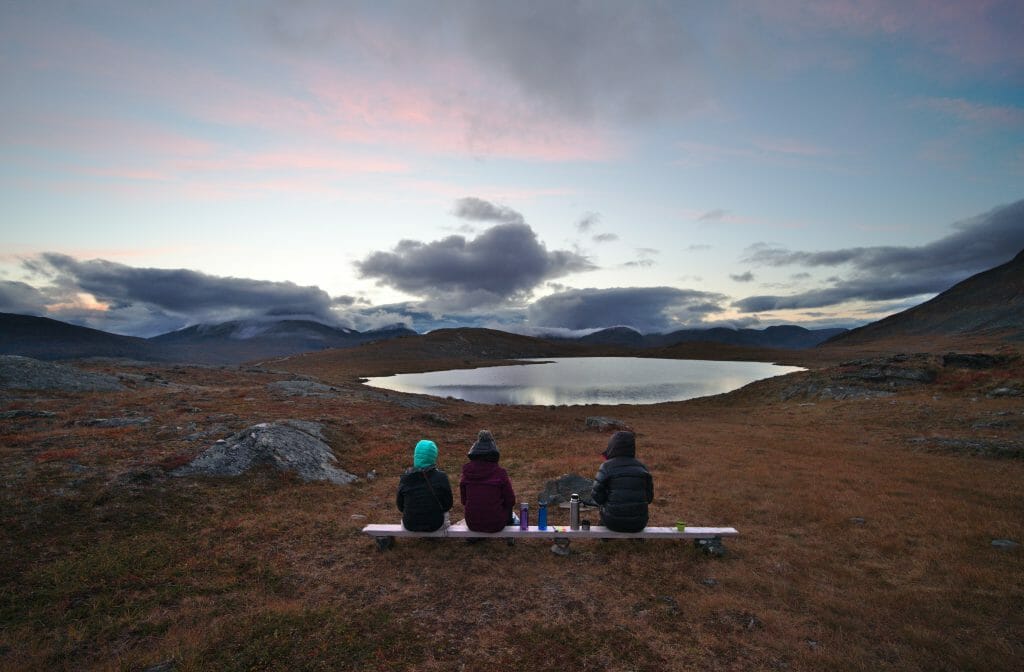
[585, 380]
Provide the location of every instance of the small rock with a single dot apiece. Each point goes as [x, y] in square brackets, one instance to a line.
[1005, 544]
[1004, 392]
[371, 475]
[670, 602]
[812, 644]
[857, 520]
[561, 547]
[709, 581]
[115, 422]
[166, 666]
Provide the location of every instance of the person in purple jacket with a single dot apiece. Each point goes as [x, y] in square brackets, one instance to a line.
[485, 488]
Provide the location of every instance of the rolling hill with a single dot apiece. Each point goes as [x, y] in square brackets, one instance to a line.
[43, 338]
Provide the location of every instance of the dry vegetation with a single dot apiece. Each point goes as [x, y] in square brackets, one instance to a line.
[866, 538]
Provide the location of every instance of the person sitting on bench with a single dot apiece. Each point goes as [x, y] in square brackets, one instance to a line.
[623, 487]
[485, 488]
[424, 493]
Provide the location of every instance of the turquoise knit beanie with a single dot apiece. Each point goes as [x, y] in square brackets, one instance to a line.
[425, 454]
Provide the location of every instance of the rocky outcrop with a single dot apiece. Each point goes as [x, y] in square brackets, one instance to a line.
[25, 373]
[603, 424]
[862, 379]
[289, 445]
[302, 388]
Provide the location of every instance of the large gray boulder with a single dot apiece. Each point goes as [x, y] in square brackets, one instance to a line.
[289, 445]
[557, 491]
[25, 373]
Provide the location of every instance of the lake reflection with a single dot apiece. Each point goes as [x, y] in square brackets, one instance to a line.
[585, 380]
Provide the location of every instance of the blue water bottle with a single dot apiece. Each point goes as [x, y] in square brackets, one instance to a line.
[542, 515]
[524, 516]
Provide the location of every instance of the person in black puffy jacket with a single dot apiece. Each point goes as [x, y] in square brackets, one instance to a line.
[424, 493]
[623, 487]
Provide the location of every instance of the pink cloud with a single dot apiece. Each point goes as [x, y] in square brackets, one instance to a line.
[441, 106]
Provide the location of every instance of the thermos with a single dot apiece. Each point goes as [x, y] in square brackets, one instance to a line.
[542, 515]
[524, 516]
[574, 511]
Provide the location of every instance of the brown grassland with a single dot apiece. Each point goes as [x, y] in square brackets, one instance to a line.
[865, 545]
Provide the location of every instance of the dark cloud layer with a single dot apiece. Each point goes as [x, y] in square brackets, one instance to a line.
[646, 309]
[184, 291]
[589, 60]
[19, 297]
[891, 273]
[147, 301]
[505, 262]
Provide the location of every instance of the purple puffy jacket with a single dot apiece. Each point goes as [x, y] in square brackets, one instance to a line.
[486, 493]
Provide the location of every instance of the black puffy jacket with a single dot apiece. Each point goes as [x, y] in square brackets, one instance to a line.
[623, 487]
[423, 503]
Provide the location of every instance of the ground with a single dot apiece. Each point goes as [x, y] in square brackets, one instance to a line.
[866, 530]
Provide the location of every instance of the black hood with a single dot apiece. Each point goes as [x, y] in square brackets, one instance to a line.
[622, 444]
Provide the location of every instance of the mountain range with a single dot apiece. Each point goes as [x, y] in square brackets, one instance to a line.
[989, 305]
[225, 343]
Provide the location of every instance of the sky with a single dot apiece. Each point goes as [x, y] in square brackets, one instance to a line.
[536, 167]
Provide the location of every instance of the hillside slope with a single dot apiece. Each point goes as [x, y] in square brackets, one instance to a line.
[987, 305]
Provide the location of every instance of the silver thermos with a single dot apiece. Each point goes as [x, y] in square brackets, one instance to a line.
[574, 511]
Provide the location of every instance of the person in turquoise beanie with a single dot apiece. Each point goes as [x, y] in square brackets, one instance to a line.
[424, 493]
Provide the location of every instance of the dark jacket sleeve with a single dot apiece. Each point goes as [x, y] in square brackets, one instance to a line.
[462, 491]
[650, 488]
[599, 494]
[400, 497]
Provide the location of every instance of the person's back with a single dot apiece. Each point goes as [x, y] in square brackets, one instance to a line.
[485, 488]
[424, 493]
[623, 487]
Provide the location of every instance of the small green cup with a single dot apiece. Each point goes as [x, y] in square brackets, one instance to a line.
[681, 525]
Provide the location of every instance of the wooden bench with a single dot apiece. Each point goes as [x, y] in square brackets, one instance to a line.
[708, 539]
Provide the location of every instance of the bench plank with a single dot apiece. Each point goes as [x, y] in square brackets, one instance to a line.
[460, 531]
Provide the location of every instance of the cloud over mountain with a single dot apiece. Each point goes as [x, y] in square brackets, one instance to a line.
[646, 309]
[19, 297]
[146, 301]
[503, 263]
[889, 272]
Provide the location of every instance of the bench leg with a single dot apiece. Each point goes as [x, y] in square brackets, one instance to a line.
[384, 543]
[713, 547]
